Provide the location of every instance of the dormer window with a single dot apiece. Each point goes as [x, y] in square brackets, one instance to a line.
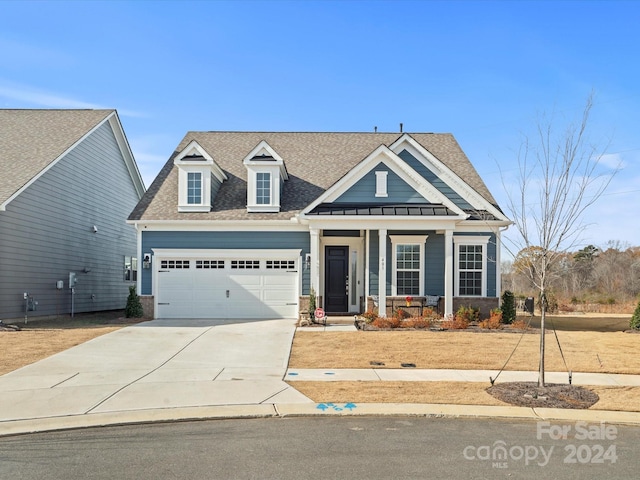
[198, 179]
[266, 174]
[194, 188]
[263, 188]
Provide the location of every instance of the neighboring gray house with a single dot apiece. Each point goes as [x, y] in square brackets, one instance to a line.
[68, 181]
[242, 224]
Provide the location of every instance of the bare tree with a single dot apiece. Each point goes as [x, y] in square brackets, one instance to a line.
[559, 177]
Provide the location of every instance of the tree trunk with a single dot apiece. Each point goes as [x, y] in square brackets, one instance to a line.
[543, 311]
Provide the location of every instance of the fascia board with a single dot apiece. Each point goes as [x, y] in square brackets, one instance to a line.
[217, 226]
[210, 162]
[3, 206]
[447, 175]
[127, 154]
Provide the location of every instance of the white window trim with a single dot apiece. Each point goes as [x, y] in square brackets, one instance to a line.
[483, 241]
[396, 240]
[381, 184]
[269, 183]
[252, 189]
[200, 186]
[183, 188]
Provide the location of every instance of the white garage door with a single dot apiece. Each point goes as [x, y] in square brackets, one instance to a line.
[227, 288]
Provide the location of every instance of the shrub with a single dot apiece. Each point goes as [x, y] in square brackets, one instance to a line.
[386, 322]
[134, 307]
[369, 316]
[401, 314]
[312, 301]
[417, 322]
[456, 323]
[470, 314]
[520, 325]
[492, 323]
[635, 318]
[508, 307]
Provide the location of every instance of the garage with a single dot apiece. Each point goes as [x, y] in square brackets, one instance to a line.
[221, 284]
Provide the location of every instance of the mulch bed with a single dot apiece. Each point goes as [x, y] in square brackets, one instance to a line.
[553, 395]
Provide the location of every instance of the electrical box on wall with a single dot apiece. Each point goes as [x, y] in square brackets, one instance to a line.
[59, 284]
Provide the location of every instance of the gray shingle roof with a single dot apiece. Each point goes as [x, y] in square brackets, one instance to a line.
[31, 139]
[314, 162]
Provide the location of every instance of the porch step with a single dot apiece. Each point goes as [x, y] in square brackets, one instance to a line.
[340, 320]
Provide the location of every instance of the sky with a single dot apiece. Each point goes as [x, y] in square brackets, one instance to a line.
[485, 71]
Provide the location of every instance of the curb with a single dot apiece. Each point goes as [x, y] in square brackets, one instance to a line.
[224, 412]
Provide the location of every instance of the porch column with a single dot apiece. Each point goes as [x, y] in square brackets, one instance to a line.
[314, 247]
[367, 269]
[448, 272]
[382, 273]
[498, 267]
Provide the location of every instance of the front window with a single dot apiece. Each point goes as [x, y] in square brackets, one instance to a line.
[263, 188]
[194, 188]
[408, 269]
[471, 265]
[470, 268]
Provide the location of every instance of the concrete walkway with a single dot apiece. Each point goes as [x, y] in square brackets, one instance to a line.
[195, 369]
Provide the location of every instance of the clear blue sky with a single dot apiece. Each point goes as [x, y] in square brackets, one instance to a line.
[481, 70]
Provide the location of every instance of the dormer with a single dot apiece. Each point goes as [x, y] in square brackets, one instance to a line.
[199, 178]
[266, 174]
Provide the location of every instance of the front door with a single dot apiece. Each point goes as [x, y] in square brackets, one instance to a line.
[336, 286]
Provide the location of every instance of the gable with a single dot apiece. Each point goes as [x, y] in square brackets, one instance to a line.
[364, 190]
[434, 180]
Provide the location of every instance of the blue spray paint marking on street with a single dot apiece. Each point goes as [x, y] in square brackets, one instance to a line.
[336, 408]
[293, 373]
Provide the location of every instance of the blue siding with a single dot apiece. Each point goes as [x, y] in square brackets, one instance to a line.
[46, 232]
[225, 240]
[364, 191]
[374, 267]
[434, 180]
[434, 265]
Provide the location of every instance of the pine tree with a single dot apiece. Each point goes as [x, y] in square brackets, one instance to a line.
[508, 307]
[134, 307]
[635, 319]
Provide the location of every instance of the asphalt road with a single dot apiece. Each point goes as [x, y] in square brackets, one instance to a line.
[327, 448]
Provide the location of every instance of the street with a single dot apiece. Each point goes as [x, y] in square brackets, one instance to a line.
[327, 448]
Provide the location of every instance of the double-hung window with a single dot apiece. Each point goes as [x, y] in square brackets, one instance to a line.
[471, 266]
[408, 264]
[263, 188]
[194, 188]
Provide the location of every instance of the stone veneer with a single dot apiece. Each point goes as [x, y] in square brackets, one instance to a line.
[147, 305]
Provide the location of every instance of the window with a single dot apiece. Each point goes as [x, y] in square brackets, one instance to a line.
[209, 264]
[245, 264]
[408, 264]
[407, 269]
[194, 188]
[471, 266]
[281, 264]
[171, 264]
[263, 188]
[130, 269]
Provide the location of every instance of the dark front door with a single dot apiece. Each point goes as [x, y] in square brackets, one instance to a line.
[336, 281]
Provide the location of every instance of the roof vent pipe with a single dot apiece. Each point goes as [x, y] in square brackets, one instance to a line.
[375, 129]
[400, 127]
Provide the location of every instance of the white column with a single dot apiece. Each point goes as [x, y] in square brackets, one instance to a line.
[448, 272]
[498, 266]
[314, 273]
[367, 239]
[382, 273]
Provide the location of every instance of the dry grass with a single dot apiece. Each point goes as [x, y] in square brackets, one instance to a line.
[40, 339]
[597, 352]
[585, 351]
[453, 393]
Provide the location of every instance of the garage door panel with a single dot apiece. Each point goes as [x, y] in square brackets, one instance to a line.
[227, 293]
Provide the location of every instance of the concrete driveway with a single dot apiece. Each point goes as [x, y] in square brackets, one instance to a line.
[161, 364]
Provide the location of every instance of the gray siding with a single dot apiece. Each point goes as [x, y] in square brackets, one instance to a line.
[225, 240]
[215, 186]
[434, 180]
[46, 232]
[364, 191]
